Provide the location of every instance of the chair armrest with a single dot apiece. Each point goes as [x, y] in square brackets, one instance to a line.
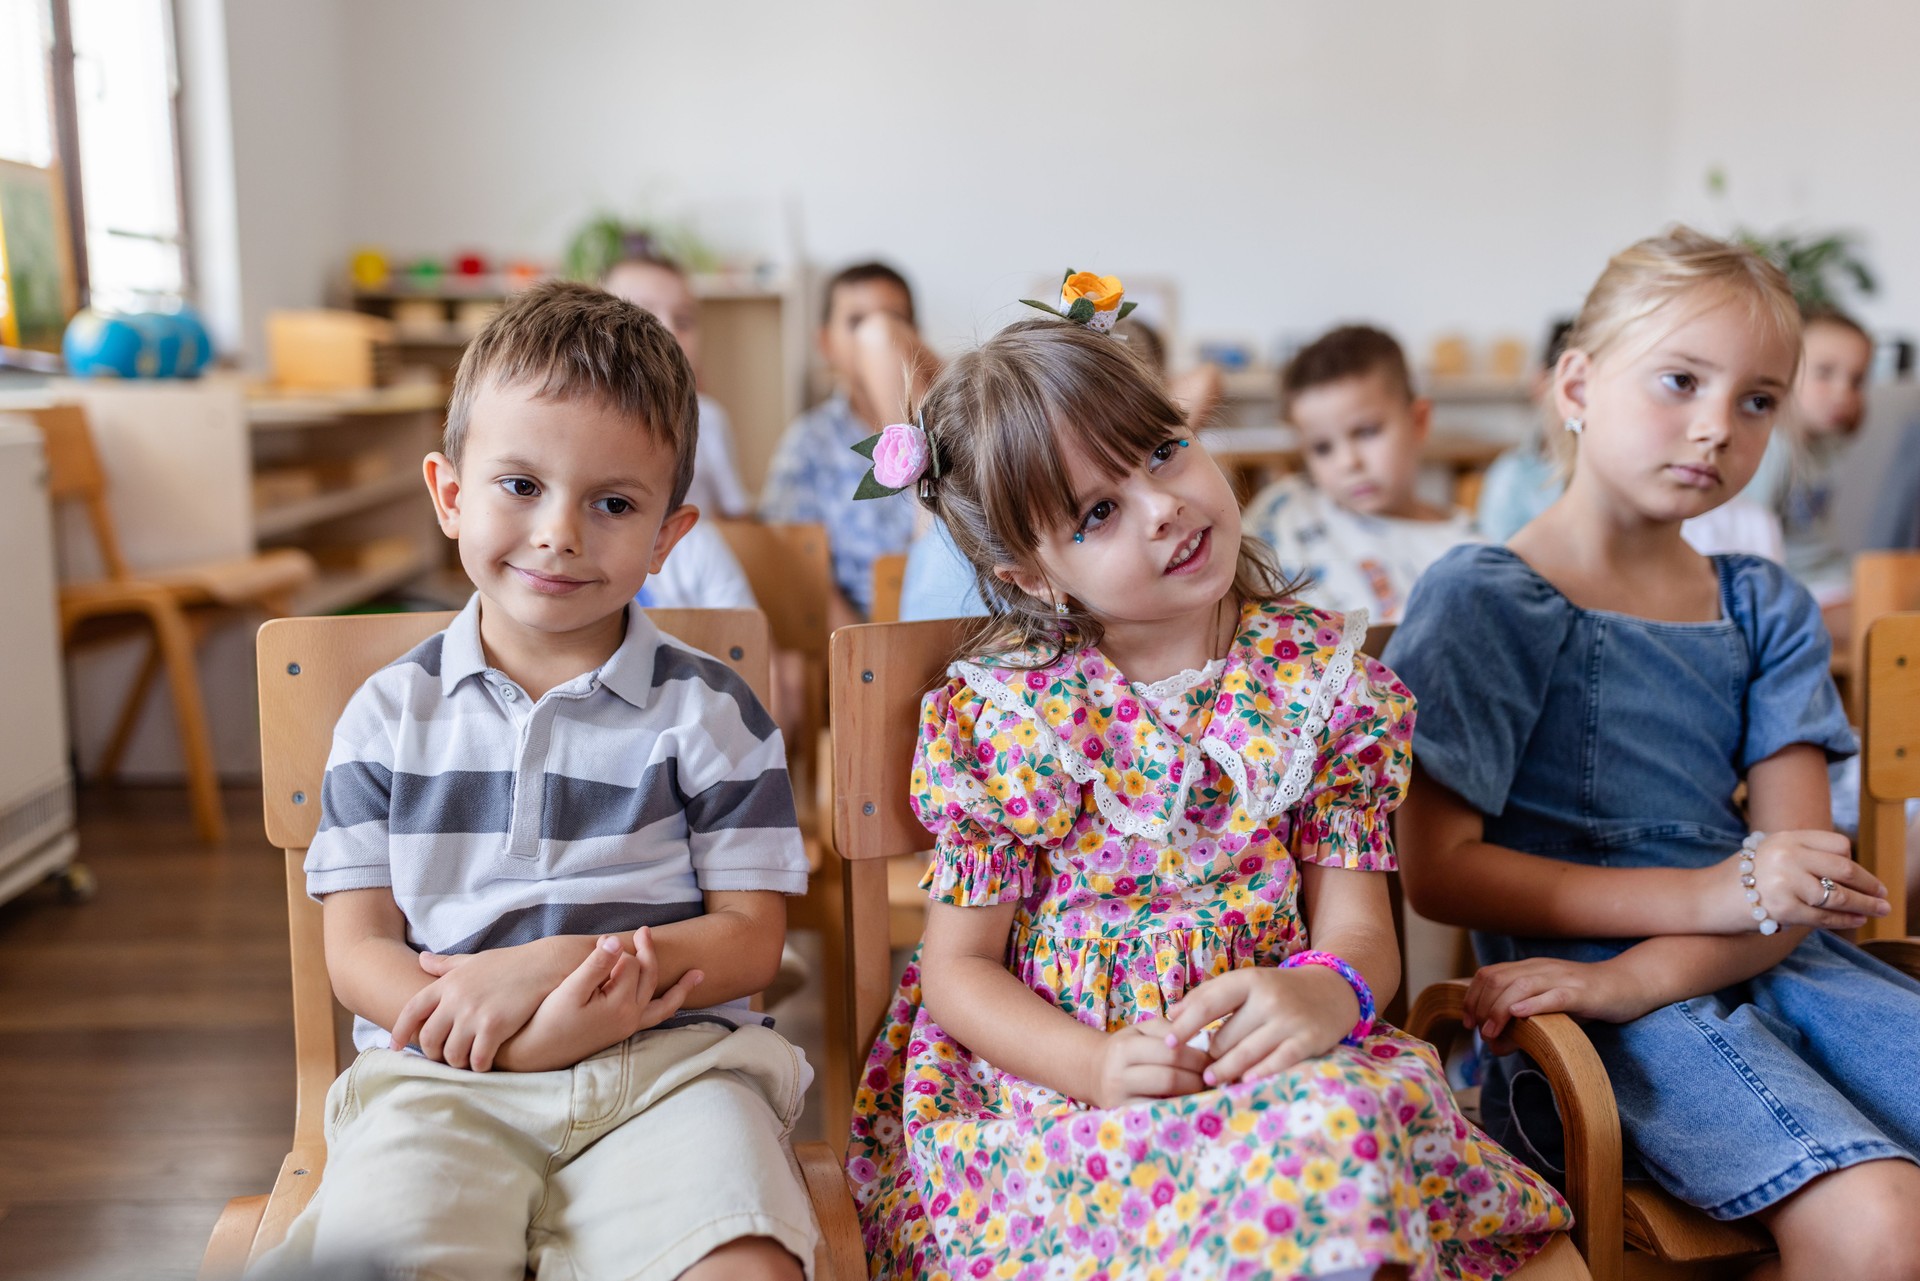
[1901, 954]
[842, 1255]
[1588, 1116]
[226, 1255]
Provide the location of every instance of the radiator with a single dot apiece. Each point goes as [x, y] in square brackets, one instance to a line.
[36, 786]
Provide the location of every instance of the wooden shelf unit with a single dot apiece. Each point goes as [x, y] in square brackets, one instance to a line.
[338, 475]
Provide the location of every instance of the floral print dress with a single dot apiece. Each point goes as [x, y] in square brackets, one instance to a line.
[1152, 836]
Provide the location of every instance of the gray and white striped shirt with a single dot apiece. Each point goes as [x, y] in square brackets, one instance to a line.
[614, 801]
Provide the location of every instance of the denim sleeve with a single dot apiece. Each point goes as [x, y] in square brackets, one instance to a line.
[1477, 647]
[1791, 697]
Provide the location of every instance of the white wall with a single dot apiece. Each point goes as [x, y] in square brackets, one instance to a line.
[287, 74]
[1466, 165]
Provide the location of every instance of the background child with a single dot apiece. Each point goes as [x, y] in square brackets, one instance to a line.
[512, 805]
[1797, 478]
[656, 283]
[1127, 850]
[1353, 524]
[868, 340]
[1591, 698]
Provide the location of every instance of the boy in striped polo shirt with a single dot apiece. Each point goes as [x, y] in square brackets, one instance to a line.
[552, 853]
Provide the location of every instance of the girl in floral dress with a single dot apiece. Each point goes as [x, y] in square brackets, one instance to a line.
[1138, 1041]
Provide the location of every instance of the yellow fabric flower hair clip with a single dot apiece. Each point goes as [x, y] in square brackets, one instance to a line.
[1090, 300]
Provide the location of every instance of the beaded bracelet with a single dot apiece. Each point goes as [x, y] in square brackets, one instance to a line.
[1355, 980]
[1748, 848]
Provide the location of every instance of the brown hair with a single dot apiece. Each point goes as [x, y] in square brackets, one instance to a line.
[996, 418]
[643, 255]
[1833, 316]
[1351, 351]
[863, 273]
[1644, 278]
[574, 342]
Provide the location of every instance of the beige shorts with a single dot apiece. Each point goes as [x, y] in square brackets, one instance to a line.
[636, 1163]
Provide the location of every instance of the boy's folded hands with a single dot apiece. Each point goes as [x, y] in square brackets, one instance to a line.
[519, 1009]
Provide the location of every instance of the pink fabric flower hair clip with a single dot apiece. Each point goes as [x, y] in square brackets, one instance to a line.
[902, 455]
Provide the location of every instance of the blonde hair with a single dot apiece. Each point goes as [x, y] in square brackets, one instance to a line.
[998, 418]
[1681, 265]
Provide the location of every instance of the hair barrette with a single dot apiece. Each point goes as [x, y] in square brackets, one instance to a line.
[901, 454]
[1090, 300]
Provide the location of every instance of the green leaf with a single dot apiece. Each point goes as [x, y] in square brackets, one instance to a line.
[1066, 275]
[866, 447]
[1081, 311]
[1126, 309]
[1051, 311]
[871, 488]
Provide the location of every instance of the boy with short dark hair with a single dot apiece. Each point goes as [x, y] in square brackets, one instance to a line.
[542, 832]
[867, 338]
[1353, 521]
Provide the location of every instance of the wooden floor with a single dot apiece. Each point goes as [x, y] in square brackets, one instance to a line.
[146, 1043]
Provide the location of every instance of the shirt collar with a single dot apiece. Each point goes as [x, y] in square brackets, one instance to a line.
[628, 673]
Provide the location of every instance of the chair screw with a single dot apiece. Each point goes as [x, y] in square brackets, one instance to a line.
[1900, 661]
[299, 1171]
[1900, 751]
[867, 808]
[866, 677]
[293, 669]
[736, 653]
[299, 798]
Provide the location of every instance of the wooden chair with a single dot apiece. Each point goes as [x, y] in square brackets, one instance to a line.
[309, 668]
[790, 569]
[889, 578]
[879, 674]
[172, 608]
[1884, 582]
[1889, 759]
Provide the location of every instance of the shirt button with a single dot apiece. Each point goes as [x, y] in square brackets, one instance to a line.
[509, 693]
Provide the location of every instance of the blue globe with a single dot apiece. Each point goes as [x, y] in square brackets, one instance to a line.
[97, 346]
[160, 344]
[196, 347]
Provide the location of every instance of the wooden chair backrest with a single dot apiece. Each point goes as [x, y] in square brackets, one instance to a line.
[1884, 582]
[879, 673]
[1889, 682]
[75, 475]
[308, 669]
[790, 570]
[889, 579]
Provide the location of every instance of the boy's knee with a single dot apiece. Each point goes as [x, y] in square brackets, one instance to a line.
[749, 1259]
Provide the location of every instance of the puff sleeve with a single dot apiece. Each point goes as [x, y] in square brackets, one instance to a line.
[1477, 646]
[993, 796]
[1363, 756]
[1791, 697]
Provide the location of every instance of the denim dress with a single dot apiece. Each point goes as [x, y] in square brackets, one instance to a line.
[1617, 741]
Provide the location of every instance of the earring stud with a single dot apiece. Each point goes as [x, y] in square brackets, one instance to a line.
[1576, 425]
[1060, 608]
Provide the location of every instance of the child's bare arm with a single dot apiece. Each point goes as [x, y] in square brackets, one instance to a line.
[893, 368]
[736, 945]
[974, 996]
[374, 973]
[612, 993]
[1452, 874]
[1787, 793]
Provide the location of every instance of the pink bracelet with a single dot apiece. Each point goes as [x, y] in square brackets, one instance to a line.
[1355, 980]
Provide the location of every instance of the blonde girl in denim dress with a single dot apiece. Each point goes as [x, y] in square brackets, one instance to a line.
[1593, 696]
[1137, 1042]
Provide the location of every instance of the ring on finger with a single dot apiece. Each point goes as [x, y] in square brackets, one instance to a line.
[1826, 891]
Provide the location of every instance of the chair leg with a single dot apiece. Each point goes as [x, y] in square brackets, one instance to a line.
[174, 639]
[836, 1093]
[130, 713]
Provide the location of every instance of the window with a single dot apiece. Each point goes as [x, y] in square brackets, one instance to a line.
[118, 109]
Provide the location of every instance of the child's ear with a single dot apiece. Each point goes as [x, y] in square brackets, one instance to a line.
[1570, 379]
[672, 530]
[1420, 413]
[1034, 585]
[443, 482]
